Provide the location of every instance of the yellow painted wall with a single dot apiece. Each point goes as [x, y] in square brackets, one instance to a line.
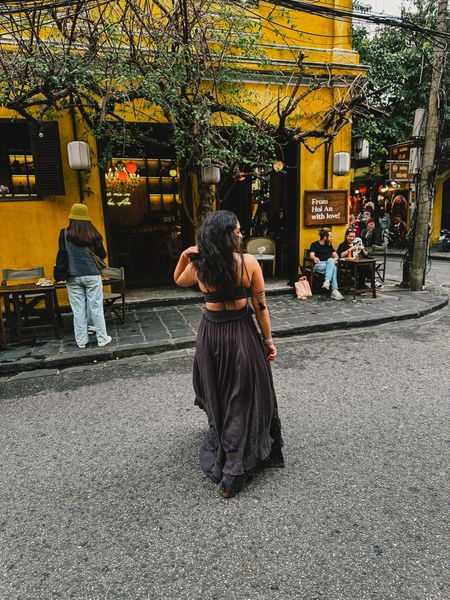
[437, 207]
[29, 229]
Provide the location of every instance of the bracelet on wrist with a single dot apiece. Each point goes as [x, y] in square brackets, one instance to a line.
[268, 341]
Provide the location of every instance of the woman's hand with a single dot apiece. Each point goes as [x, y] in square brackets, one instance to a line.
[271, 352]
[189, 252]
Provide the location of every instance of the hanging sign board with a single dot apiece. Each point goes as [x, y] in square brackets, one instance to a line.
[326, 207]
[399, 171]
[400, 152]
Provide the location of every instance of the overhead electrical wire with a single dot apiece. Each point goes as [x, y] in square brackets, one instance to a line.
[350, 16]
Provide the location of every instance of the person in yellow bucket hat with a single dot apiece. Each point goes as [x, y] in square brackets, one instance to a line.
[75, 263]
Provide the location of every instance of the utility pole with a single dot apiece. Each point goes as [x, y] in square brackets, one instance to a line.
[425, 191]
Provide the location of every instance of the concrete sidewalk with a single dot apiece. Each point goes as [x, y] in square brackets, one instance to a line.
[160, 327]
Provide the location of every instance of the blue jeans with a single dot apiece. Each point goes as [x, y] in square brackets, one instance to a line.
[329, 269]
[86, 300]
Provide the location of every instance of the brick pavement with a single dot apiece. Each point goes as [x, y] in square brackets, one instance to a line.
[152, 329]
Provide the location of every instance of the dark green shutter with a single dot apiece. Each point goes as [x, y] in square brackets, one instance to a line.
[47, 159]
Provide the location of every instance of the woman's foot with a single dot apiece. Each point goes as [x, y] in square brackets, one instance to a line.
[229, 488]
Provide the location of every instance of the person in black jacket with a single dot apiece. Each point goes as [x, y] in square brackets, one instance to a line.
[325, 258]
[84, 283]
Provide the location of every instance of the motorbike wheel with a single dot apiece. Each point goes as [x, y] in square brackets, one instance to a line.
[446, 244]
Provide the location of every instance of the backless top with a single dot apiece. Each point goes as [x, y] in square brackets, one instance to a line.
[240, 292]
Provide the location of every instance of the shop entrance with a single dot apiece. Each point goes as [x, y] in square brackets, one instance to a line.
[445, 221]
[267, 204]
[142, 202]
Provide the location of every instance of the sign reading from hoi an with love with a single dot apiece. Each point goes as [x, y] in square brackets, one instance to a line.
[326, 207]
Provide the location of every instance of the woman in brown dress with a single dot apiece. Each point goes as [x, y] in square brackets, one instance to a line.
[232, 376]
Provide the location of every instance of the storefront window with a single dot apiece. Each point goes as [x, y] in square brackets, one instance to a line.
[143, 201]
[17, 178]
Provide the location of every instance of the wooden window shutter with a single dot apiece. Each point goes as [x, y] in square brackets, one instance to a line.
[47, 159]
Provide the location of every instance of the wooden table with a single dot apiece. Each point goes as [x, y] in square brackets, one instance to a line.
[18, 291]
[351, 265]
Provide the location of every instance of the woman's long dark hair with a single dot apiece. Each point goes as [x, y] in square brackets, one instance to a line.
[217, 243]
[83, 233]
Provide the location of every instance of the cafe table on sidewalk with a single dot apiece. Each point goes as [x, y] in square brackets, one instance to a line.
[350, 267]
[17, 293]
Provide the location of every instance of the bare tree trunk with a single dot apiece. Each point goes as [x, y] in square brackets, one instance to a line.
[426, 186]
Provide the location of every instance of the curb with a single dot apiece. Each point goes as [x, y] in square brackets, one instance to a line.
[149, 348]
[179, 300]
[432, 256]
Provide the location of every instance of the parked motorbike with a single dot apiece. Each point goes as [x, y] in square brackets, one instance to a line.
[444, 238]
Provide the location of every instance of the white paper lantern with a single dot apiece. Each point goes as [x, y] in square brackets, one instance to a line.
[361, 151]
[210, 173]
[79, 155]
[341, 163]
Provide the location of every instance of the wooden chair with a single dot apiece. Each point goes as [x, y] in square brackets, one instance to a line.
[380, 254]
[27, 303]
[307, 270]
[269, 253]
[114, 301]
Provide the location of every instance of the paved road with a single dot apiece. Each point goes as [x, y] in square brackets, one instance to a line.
[101, 497]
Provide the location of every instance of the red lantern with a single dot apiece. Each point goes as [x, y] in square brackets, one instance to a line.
[122, 175]
[363, 190]
[278, 166]
[131, 167]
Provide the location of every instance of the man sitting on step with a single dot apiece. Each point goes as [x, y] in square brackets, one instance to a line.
[325, 257]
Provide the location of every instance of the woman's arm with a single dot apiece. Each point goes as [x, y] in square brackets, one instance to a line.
[259, 304]
[185, 274]
[100, 250]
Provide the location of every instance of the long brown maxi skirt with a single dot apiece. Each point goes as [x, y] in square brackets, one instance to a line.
[233, 385]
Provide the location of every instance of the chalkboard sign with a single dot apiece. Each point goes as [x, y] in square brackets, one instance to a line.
[326, 207]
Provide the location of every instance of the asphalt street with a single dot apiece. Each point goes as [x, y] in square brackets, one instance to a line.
[101, 496]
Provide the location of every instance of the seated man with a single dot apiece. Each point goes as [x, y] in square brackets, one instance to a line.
[325, 257]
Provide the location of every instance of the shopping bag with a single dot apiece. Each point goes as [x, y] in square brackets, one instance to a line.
[302, 288]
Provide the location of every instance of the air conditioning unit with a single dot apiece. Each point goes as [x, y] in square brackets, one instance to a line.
[420, 119]
[415, 161]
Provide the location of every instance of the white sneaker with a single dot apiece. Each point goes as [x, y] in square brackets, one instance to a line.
[105, 342]
[81, 345]
[326, 284]
[336, 295]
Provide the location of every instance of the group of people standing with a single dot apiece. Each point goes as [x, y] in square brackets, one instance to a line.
[387, 224]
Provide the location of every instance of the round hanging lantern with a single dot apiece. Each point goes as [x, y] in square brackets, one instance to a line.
[278, 166]
[131, 167]
[363, 190]
[122, 175]
[210, 173]
[173, 172]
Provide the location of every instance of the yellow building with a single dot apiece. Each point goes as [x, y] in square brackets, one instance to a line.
[137, 203]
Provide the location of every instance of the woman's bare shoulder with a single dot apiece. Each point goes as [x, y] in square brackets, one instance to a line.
[250, 259]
